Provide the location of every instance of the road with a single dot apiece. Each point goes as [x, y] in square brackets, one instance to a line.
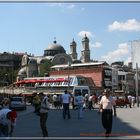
[125, 125]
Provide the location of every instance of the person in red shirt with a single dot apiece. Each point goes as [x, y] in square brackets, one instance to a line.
[13, 117]
[7, 122]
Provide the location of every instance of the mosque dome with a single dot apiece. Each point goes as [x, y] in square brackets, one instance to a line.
[54, 49]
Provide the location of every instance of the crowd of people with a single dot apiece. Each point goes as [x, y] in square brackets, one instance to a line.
[42, 103]
[106, 103]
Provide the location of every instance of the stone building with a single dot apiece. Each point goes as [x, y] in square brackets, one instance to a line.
[9, 63]
[85, 53]
[56, 54]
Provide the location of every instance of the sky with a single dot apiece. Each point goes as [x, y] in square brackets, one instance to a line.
[32, 27]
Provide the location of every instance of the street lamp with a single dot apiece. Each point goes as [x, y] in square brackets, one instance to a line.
[136, 79]
[69, 65]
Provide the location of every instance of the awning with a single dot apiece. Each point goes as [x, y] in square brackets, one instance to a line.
[42, 81]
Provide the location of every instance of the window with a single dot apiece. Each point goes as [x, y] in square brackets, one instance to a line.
[77, 91]
[84, 92]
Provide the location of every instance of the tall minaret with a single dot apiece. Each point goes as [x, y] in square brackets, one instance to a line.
[85, 53]
[73, 52]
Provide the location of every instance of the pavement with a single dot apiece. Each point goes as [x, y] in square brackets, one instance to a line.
[125, 126]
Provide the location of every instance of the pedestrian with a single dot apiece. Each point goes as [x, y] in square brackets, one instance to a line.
[133, 101]
[90, 102]
[54, 100]
[130, 100]
[13, 114]
[59, 101]
[107, 103]
[5, 103]
[66, 98]
[94, 100]
[44, 114]
[86, 104]
[36, 103]
[7, 122]
[80, 103]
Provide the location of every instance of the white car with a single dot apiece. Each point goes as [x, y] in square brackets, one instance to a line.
[17, 103]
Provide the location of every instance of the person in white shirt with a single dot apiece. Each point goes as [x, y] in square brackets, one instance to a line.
[90, 102]
[133, 101]
[7, 122]
[66, 98]
[55, 100]
[130, 100]
[80, 103]
[107, 103]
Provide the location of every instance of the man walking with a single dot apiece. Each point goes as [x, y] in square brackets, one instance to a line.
[44, 114]
[36, 103]
[107, 103]
[66, 98]
[80, 103]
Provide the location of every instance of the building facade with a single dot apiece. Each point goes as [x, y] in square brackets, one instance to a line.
[9, 64]
[98, 74]
[56, 54]
[135, 53]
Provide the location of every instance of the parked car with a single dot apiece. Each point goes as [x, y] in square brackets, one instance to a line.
[17, 103]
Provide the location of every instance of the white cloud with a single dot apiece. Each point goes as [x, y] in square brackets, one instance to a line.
[118, 54]
[82, 34]
[55, 4]
[129, 25]
[68, 6]
[71, 6]
[96, 45]
[129, 59]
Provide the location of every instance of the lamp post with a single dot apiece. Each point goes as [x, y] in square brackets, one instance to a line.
[69, 65]
[137, 94]
[12, 74]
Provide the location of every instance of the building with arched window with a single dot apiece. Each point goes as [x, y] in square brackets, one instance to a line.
[56, 54]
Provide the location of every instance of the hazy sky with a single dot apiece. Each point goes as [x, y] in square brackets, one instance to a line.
[31, 27]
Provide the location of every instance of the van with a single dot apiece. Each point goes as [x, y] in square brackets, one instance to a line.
[85, 91]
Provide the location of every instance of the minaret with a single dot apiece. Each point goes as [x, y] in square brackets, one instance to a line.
[73, 52]
[85, 53]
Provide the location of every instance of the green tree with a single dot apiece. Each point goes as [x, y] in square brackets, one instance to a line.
[45, 67]
[7, 76]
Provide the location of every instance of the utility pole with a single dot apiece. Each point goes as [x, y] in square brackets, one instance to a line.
[137, 94]
[69, 65]
[12, 73]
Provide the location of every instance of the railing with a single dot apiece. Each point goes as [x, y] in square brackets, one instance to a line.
[30, 90]
[11, 90]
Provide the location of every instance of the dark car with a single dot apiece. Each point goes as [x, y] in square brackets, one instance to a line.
[17, 103]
